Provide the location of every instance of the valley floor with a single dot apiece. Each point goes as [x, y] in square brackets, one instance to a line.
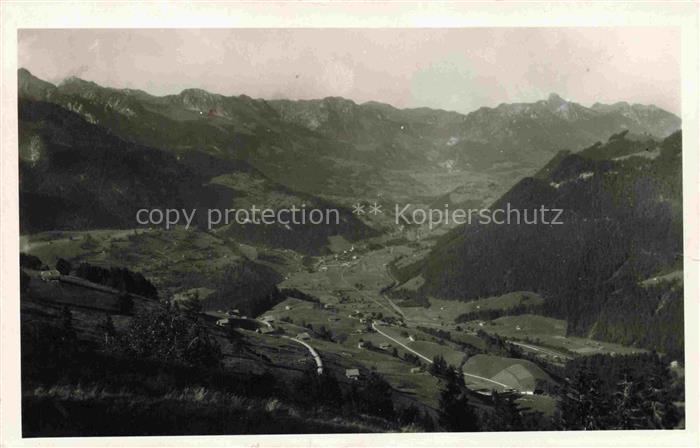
[354, 325]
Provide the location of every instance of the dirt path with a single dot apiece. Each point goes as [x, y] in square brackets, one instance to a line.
[314, 353]
[374, 326]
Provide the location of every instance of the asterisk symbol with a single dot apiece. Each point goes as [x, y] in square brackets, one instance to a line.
[375, 209]
[358, 209]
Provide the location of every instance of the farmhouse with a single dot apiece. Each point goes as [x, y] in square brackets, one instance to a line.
[416, 369]
[51, 275]
[222, 322]
[361, 344]
[353, 374]
[266, 330]
[304, 336]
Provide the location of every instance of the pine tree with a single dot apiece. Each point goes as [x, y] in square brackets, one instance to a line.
[658, 408]
[456, 414]
[375, 396]
[63, 266]
[505, 415]
[439, 366]
[584, 405]
[628, 411]
[125, 304]
[68, 334]
[106, 327]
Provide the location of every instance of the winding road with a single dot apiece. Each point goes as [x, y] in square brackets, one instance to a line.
[398, 310]
[314, 353]
[374, 326]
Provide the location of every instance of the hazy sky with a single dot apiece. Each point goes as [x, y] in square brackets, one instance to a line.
[455, 69]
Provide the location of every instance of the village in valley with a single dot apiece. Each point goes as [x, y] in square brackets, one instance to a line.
[339, 315]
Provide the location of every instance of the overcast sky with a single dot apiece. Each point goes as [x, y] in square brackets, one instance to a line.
[454, 69]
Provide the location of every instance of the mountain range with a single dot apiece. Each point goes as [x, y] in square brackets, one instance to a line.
[340, 150]
[90, 156]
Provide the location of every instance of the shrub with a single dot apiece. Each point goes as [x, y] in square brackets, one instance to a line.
[30, 261]
[63, 266]
[118, 278]
[167, 335]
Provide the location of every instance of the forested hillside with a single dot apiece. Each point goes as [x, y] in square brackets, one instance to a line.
[622, 223]
[75, 175]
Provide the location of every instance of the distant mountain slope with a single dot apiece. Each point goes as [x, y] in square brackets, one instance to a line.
[622, 223]
[555, 124]
[337, 148]
[483, 137]
[75, 175]
[78, 175]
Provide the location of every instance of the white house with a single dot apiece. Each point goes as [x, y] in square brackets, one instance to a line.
[222, 322]
[304, 336]
[50, 276]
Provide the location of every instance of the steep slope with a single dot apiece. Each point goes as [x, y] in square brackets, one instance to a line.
[75, 175]
[78, 175]
[622, 222]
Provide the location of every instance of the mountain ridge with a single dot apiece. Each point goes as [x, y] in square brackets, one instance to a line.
[344, 151]
[552, 97]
